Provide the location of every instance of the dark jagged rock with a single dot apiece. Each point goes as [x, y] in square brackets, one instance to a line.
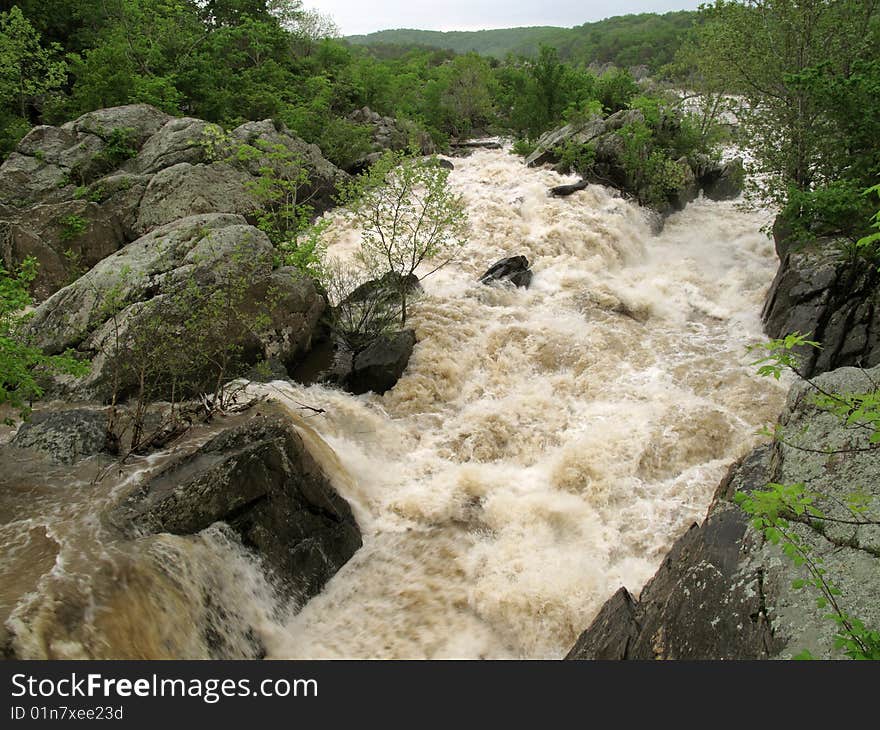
[446, 164]
[67, 436]
[378, 367]
[834, 299]
[719, 180]
[261, 479]
[561, 191]
[723, 592]
[514, 269]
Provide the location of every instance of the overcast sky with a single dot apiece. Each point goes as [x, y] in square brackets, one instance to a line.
[364, 16]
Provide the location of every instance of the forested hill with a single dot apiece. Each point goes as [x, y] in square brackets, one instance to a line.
[627, 40]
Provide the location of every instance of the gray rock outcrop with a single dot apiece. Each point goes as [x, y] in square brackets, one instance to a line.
[74, 194]
[141, 280]
[836, 300]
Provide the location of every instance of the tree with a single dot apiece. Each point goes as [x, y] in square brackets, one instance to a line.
[408, 216]
[27, 68]
[784, 57]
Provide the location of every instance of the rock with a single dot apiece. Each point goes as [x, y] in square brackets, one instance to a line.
[67, 436]
[378, 367]
[514, 269]
[197, 250]
[142, 121]
[835, 300]
[689, 189]
[324, 177]
[158, 173]
[263, 481]
[446, 164]
[583, 133]
[184, 189]
[722, 180]
[179, 140]
[66, 239]
[388, 134]
[722, 592]
[561, 191]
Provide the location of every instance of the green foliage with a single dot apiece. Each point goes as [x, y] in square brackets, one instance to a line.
[72, 227]
[28, 69]
[779, 356]
[777, 505]
[772, 510]
[627, 40]
[577, 158]
[22, 365]
[651, 171]
[809, 74]
[615, 89]
[841, 209]
[408, 217]
[869, 245]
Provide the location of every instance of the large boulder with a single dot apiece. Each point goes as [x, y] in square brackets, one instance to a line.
[261, 479]
[723, 591]
[74, 194]
[185, 189]
[137, 284]
[388, 133]
[65, 239]
[323, 176]
[378, 367]
[66, 435]
[834, 299]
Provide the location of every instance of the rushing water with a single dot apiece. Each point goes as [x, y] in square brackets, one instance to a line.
[544, 447]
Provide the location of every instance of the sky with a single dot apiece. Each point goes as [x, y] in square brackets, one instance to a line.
[365, 16]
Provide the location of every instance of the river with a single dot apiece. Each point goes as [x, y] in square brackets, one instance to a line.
[544, 447]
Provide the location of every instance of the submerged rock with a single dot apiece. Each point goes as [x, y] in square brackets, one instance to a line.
[561, 191]
[514, 269]
[723, 592]
[261, 479]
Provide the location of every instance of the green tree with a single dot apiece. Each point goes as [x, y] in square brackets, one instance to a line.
[408, 217]
[23, 365]
[28, 70]
[792, 60]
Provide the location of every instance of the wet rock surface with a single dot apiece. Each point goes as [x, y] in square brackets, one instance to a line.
[514, 269]
[378, 367]
[260, 479]
[67, 435]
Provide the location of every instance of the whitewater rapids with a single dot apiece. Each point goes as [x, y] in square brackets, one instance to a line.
[545, 446]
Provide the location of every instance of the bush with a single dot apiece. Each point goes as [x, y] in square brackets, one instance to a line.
[22, 365]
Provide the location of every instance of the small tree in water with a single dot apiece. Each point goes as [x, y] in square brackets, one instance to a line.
[408, 216]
